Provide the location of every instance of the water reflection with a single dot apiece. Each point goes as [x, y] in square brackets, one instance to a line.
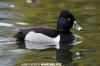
[64, 55]
[33, 1]
[5, 24]
[63, 50]
[22, 23]
[12, 6]
[85, 10]
[8, 52]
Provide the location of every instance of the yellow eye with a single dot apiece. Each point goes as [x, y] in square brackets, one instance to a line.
[68, 19]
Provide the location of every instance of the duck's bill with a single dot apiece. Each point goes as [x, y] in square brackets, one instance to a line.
[77, 27]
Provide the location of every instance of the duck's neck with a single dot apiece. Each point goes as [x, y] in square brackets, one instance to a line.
[63, 32]
[66, 37]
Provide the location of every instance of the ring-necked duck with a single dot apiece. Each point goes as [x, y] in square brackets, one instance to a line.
[65, 22]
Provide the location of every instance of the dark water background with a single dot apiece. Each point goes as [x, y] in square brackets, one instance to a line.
[16, 14]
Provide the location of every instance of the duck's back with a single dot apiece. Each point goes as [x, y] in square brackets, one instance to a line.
[46, 31]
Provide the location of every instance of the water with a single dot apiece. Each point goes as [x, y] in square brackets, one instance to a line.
[15, 15]
[8, 48]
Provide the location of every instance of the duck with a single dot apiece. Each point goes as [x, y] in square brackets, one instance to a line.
[66, 21]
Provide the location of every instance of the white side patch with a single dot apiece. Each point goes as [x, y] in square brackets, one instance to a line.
[38, 37]
[57, 39]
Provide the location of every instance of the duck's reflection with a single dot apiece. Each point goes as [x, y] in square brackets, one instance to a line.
[63, 53]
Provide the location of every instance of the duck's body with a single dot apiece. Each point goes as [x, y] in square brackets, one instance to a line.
[47, 34]
[38, 34]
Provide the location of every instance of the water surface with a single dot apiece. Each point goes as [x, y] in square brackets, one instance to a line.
[17, 14]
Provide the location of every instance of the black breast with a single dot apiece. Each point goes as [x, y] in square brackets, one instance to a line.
[67, 38]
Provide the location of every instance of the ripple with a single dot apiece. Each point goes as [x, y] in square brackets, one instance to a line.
[12, 6]
[8, 51]
[18, 51]
[10, 15]
[6, 24]
[21, 23]
[89, 7]
[29, 1]
[78, 39]
[4, 5]
[32, 1]
[77, 58]
[47, 57]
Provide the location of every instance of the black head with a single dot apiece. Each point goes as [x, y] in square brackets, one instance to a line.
[65, 14]
[66, 21]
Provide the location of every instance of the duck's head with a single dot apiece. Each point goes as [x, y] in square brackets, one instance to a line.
[66, 21]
